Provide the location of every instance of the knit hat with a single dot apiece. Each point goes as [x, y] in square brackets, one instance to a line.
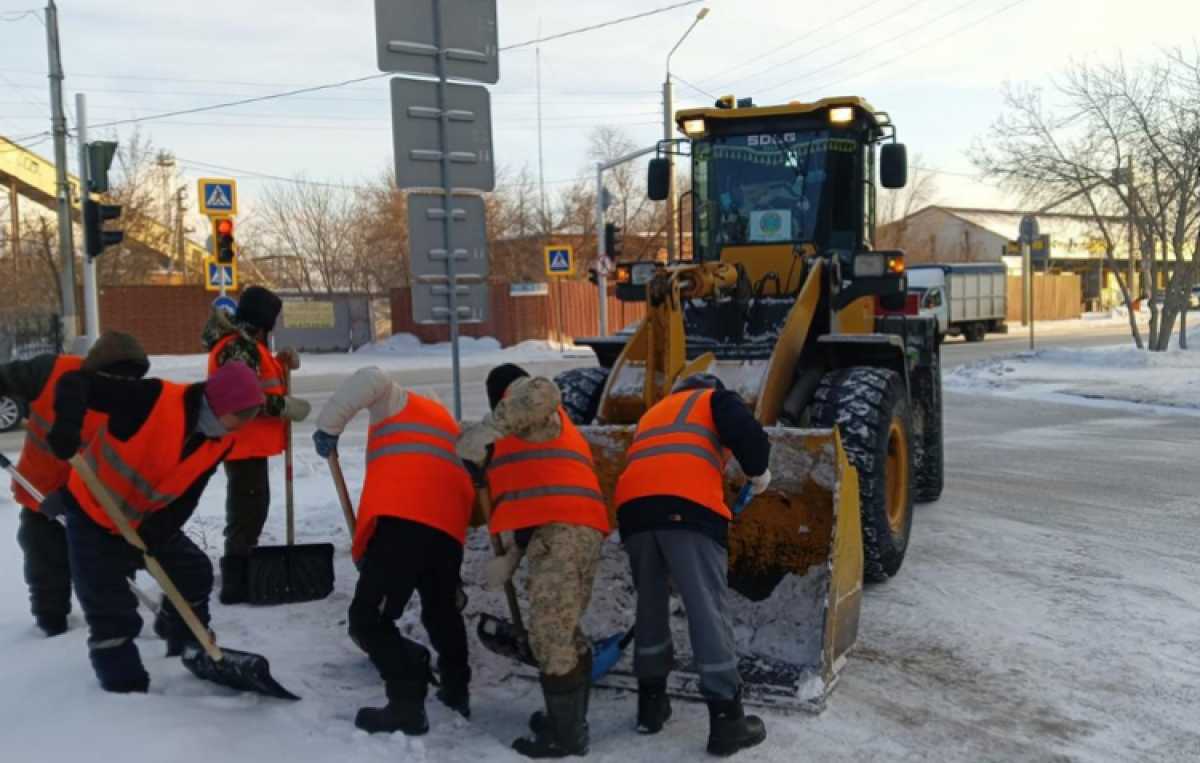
[499, 379]
[698, 381]
[233, 388]
[258, 307]
[118, 354]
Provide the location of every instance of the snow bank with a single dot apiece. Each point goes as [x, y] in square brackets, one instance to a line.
[1119, 374]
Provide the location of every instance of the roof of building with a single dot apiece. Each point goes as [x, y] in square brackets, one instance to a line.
[1071, 236]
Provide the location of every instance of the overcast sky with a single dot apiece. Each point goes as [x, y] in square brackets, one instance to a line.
[936, 66]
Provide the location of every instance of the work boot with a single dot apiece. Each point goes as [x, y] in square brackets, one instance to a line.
[235, 581]
[564, 728]
[730, 729]
[454, 691]
[654, 706]
[52, 625]
[405, 711]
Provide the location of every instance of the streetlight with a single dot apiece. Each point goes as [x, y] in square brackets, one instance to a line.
[668, 132]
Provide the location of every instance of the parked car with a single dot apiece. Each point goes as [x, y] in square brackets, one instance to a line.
[1194, 300]
[12, 412]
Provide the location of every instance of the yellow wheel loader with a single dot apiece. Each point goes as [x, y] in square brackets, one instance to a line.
[786, 300]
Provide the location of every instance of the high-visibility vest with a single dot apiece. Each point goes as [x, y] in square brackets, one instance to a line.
[145, 473]
[676, 451]
[37, 463]
[539, 483]
[266, 435]
[413, 473]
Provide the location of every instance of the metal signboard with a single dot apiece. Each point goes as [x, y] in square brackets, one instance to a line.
[431, 300]
[427, 234]
[218, 197]
[228, 304]
[417, 139]
[406, 33]
[220, 276]
[1029, 229]
[560, 260]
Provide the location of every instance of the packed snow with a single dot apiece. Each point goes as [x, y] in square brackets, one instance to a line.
[1119, 375]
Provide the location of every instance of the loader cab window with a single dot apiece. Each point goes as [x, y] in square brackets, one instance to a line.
[771, 188]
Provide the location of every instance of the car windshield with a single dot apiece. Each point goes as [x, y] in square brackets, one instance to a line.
[772, 188]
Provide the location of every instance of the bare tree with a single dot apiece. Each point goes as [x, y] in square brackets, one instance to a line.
[307, 231]
[1124, 142]
[895, 209]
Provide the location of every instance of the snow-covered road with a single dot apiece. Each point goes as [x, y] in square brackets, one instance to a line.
[1048, 610]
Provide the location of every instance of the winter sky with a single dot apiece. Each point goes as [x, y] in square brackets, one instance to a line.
[936, 66]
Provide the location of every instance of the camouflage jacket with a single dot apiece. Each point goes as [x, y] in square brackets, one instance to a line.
[244, 348]
[529, 411]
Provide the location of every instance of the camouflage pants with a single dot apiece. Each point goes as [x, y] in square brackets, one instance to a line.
[562, 565]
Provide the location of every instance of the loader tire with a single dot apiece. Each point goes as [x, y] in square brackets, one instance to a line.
[870, 409]
[581, 389]
[928, 462]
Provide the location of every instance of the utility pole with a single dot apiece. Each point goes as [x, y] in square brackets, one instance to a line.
[91, 299]
[668, 134]
[58, 126]
[541, 162]
[180, 257]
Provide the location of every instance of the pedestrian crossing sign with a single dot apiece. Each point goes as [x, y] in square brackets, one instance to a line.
[560, 261]
[219, 276]
[218, 197]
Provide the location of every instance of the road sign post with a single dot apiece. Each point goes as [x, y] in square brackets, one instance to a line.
[442, 139]
[560, 264]
[1028, 234]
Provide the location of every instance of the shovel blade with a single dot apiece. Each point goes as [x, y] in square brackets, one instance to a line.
[505, 639]
[243, 671]
[289, 574]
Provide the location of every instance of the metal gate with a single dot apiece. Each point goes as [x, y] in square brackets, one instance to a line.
[25, 334]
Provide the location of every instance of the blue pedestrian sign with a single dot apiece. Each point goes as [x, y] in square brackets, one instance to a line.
[219, 276]
[560, 261]
[218, 196]
[228, 304]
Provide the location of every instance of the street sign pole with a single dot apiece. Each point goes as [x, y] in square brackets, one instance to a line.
[447, 219]
[91, 299]
[601, 269]
[1029, 233]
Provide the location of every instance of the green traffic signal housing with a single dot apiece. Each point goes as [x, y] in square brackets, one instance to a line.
[95, 215]
[613, 240]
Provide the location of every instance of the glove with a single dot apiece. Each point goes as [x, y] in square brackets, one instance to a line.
[500, 570]
[289, 358]
[296, 409]
[759, 484]
[326, 443]
[64, 441]
[474, 442]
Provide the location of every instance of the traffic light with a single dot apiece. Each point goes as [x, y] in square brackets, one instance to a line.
[613, 241]
[95, 215]
[223, 245]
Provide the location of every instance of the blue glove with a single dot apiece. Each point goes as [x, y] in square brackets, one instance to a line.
[326, 443]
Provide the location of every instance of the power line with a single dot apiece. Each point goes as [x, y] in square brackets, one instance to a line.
[693, 87]
[601, 25]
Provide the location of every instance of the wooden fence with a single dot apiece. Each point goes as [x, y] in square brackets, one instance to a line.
[569, 309]
[1055, 297]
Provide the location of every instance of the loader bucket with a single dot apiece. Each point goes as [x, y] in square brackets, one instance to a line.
[795, 567]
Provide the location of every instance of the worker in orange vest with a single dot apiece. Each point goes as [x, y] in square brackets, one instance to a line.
[674, 523]
[155, 454]
[245, 338]
[412, 522]
[547, 505]
[44, 541]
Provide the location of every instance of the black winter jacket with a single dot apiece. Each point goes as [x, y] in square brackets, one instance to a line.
[738, 431]
[26, 378]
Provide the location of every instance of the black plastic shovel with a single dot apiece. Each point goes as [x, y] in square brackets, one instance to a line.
[244, 671]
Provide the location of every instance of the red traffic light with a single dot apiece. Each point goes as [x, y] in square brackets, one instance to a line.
[223, 245]
[225, 227]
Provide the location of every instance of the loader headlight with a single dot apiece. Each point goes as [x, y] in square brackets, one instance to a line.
[693, 126]
[622, 274]
[895, 264]
[869, 265]
[642, 273]
[841, 115]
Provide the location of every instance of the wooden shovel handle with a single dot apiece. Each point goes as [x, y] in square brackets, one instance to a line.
[339, 484]
[100, 492]
[288, 473]
[510, 593]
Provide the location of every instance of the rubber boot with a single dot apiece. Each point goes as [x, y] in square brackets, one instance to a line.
[52, 625]
[405, 711]
[565, 731]
[654, 706]
[454, 691]
[730, 729]
[537, 720]
[235, 581]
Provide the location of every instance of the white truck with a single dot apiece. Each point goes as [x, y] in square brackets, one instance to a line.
[967, 299]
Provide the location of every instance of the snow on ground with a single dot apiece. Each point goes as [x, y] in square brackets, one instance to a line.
[1115, 375]
[399, 352]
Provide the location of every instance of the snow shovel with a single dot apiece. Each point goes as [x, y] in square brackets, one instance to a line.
[243, 671]
[503, 637]
[291, 573]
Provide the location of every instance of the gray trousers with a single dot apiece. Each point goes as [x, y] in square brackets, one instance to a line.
[698, 565]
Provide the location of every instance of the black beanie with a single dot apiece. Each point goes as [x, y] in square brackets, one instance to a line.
[499, 379]
[258, 307]
[118, 354]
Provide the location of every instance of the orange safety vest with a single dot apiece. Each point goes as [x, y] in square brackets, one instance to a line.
[37, 463]
[413, 473]
[539, 483]
[267, 435]
[676, 451]
[145, 473]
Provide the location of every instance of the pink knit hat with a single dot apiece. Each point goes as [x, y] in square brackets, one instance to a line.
[233, 389]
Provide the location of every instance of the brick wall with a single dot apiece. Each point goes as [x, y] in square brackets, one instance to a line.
[166, 319]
